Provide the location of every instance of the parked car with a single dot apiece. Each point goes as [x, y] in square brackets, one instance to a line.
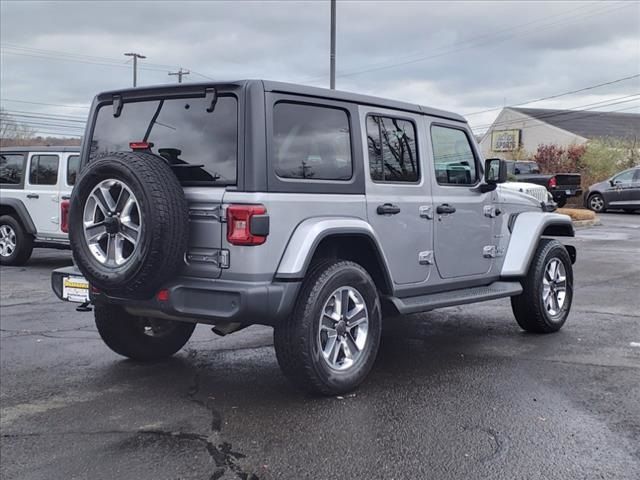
[310, 210]
[620, 191]
[561, 185]
[35, 187]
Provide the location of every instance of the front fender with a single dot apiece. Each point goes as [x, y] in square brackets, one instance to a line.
[525, 235]
[308, 235]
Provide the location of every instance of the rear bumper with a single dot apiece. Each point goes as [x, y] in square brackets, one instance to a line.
[206, 301]
[562, 193]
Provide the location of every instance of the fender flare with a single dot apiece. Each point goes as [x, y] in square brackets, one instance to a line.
[525, 236]
[21, 212]
[308, 235]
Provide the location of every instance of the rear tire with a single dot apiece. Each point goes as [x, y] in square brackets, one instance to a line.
[547, 290]
[323, 347]
[16, 245]
[596, 203]
[140, 338]
[561, 202]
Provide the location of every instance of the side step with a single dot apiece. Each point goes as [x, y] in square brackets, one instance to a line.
[424, 303]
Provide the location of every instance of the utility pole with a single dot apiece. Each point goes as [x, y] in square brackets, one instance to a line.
[135, 56]
[332, 54]
[180, 73]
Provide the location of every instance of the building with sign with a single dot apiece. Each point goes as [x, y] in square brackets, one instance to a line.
[524, 129]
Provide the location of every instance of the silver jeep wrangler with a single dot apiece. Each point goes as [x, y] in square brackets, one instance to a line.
[316, 212]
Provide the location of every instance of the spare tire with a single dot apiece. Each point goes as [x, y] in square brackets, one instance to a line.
[128, 224]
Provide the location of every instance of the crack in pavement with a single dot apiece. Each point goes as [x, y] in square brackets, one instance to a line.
[220, 451]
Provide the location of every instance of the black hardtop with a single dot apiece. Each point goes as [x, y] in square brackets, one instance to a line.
[41, 148]
[281, 87]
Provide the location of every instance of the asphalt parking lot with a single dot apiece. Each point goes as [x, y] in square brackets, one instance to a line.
[457, 393]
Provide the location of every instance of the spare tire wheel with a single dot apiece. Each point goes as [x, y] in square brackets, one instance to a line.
[129, 223]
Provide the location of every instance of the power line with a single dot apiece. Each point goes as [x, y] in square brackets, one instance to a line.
[48, 104]
[591, 87]
[72, 118]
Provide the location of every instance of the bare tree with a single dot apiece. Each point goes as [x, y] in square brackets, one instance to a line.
[13, 132]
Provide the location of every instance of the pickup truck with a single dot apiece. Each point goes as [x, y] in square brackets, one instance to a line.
[560, 185]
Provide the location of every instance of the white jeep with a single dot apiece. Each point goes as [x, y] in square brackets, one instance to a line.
[35, 188]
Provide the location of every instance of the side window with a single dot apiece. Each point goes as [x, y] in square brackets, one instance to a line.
[392, 149]
[73, 164]
[11, 168]
[624, 177]
[453, 156]
[44, 170]
[311, 142]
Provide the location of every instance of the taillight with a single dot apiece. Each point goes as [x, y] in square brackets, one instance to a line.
[140, 145]
[239, 224]
[64, 216]
[553, 183]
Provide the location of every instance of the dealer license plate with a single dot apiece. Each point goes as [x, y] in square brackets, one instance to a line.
[75, 289]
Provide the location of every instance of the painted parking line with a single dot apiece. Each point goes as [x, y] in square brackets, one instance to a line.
[635, 344]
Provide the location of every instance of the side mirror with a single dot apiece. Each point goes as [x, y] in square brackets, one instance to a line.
[495, 171]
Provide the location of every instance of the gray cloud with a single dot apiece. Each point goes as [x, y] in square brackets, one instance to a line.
[464, 56]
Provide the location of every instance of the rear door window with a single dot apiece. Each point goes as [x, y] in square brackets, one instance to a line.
[44, 169]
[11, 168]
[311, 142]
[201, 146]
[392, 149]
[455, 163]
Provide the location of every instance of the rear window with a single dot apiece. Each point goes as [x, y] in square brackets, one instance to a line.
[527, 167]
[311, 142]
[11, 168]
[201, 146]
[73, 164]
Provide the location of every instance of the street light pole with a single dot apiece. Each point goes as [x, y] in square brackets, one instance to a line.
[332, 54]
[135, 56]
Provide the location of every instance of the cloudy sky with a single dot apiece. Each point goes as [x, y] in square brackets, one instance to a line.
[467, 57]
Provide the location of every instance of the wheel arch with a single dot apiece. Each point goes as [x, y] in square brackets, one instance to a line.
[15, 208]
[345, 238]
[528, 229]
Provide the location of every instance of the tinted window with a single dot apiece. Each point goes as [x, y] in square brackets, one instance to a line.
[311, 142]
[527, 167]
[624, 177]
[453, 157]
[392, 149]
[11, 168]
[73, 164]
[201, 146]
[44, 170]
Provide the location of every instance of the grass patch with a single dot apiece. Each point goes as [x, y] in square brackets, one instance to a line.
[577, 214]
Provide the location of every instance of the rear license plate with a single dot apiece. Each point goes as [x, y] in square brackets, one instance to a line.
[568, 192]
[75, 289]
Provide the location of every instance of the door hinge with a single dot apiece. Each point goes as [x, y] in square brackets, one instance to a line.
[426, 212]
[489, 211]
[425, 258]
[221, 258]
[489, 251]
[216, 212]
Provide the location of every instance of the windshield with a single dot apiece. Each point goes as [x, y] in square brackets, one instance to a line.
[202, 147]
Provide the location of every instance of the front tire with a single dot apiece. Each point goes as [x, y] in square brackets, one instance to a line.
[16, 245]
[140, 338]
[329, 343]
[596, 203]
[547, 290]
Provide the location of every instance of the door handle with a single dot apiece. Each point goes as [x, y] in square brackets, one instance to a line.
[388, 209]
[65, 197]
[33, 195]
[445, 208]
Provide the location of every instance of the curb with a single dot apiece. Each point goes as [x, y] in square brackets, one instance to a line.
[586, 223]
